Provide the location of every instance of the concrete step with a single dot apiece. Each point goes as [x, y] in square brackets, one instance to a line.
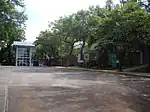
[135, 68]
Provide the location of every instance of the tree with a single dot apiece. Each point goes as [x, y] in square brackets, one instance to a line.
[123, 27]
[12, 24]
[65, 29]
[47, 45]
[82, 28]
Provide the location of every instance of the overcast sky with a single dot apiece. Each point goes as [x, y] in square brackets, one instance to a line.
[41, 11]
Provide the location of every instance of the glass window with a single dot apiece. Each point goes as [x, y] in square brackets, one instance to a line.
[23, 52]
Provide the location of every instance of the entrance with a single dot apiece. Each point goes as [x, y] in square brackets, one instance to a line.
[23, 56]
[112, 60]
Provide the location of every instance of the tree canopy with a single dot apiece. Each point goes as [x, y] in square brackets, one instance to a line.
[12, 25]
[121, 25]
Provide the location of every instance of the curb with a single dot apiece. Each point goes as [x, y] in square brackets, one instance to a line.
[145, 75]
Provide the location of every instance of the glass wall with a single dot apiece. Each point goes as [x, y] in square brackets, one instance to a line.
[23, 56]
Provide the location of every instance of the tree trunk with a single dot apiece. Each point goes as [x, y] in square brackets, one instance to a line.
[9, 54]
[81, 54]
[67, 63]
[148, 69]
[70, 54]
[120, 59]
[71, 49]
[81, 51]
[105, 60]
[1, 56]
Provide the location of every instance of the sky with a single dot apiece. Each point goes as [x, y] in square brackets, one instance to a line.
[41, 12]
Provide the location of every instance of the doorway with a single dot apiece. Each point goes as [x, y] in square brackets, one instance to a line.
[23, 56]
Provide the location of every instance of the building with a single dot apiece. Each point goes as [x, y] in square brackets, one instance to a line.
[23, 53]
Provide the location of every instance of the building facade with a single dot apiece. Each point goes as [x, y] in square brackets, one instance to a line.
[23, 53]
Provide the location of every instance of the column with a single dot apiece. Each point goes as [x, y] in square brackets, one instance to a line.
[30, 59]
[16, 55]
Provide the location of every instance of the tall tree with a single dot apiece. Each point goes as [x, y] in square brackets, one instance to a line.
[47, 45]
[124, 27]
[82, 28]
[65, 29]
[12, 25]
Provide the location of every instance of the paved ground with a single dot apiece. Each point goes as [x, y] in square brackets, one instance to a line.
[61, 90]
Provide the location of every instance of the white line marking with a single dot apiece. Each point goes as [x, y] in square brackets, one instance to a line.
[6, 99]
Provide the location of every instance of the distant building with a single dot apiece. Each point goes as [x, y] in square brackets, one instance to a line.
[23, 53]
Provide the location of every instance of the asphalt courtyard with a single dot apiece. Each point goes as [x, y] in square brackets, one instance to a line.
[24, 89]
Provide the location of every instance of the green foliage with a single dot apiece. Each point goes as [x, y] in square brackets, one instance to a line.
[127, 25]
[12, 21]
[68, 30]
[12, 24]
[46, 45]
[123, 26]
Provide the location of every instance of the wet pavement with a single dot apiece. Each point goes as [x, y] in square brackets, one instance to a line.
[24, 89]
